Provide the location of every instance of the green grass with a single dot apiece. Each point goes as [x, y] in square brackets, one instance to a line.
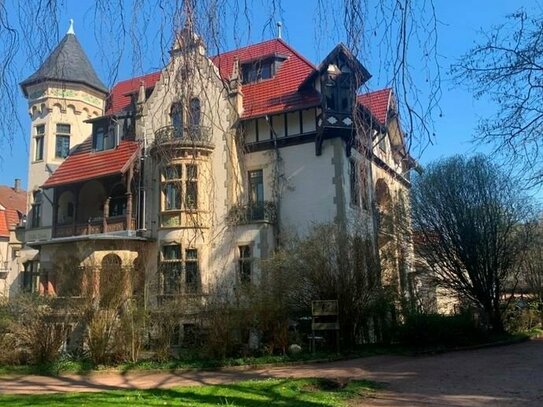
[192, 361]
[273, 392]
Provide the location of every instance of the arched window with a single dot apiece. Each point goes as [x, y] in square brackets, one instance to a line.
[194, 112]
[112, 281]
[176, 115]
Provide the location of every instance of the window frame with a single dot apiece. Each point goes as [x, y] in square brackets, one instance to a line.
[245, 263]
[62, 135]
[185, 181]
[354, 182]
[39, 142]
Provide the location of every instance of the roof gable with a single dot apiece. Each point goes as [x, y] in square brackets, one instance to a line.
[67, 63]
[279, 93]
[11, 199]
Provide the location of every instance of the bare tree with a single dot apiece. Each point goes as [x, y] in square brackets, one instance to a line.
[507, 67]
[392, 33]
[471, 217]
[531, 279]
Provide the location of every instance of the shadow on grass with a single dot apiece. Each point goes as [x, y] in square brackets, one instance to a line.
[274, 392]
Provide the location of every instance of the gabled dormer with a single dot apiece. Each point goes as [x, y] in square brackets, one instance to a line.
[338, 78]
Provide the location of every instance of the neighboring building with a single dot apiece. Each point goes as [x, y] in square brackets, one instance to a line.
[189, 175]
[12, 210]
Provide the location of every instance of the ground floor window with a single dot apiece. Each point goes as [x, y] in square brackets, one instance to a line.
[31, 276]
[245, 264]
[180, 270]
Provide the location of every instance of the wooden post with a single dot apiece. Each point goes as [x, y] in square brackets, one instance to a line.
[129, 177]
[104, 217]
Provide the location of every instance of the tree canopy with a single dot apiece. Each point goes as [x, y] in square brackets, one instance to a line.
[506, 66]
[470, 220]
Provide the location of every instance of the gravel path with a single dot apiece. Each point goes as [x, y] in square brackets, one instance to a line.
[499, 376]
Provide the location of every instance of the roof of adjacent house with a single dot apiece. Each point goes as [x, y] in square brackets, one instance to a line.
[13, 206]
[378, 103]
[67, 63]
[85, 164]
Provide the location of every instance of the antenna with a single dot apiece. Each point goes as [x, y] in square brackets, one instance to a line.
[279, 29]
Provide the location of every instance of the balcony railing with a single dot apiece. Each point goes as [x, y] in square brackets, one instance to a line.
[95, 226]
[252, 213]
[193, 136]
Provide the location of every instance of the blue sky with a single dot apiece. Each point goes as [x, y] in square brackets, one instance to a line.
[459, 26]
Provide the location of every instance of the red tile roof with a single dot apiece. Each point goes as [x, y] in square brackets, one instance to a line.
[4, 230]
[10, 199]
[377, 102]
[118, 97]
[268, 96]
[85, 164]
[13, 217]
[275, 94]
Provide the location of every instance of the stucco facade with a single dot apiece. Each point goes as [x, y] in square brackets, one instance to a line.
[191, 175]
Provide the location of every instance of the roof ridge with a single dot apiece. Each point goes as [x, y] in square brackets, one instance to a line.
[137, 77]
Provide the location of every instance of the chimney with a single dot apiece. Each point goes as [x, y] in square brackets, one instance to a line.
[17, 185]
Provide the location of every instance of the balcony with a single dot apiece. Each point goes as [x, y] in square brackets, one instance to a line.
[244, 214]
[95, 226]
[193, 136]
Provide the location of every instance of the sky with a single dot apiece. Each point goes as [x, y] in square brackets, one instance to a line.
[460, 23]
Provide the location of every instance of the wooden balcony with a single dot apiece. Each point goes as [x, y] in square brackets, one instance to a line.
[95, 227]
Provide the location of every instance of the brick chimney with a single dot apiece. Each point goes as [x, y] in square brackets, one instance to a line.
[17, 185]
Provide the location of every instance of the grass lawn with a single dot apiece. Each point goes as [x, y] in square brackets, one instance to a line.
[274, 392]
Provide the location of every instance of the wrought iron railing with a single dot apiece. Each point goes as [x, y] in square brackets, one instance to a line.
[193, 136]
[252, 212]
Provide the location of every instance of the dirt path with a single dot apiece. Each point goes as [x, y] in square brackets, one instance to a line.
[500, 376]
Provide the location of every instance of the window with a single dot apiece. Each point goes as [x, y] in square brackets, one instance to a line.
[256, 194]
[103, 136]
[174, 179]
[36, 209]
[38, 142]
[354, 183]
[117, 202]
[192, 275]
[194, 112]
[173, 272]
[258, 70]
[245, 264]
[191, 196]
[171, 267]
[338, 89]
[62, 145]
[31, 276]
[176, 116]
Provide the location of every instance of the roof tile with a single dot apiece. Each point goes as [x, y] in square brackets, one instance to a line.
[377, 102]
[84, 164]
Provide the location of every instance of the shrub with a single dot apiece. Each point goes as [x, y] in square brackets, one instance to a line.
[435, 330]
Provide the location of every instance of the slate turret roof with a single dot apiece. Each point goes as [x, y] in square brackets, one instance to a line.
[67, 63]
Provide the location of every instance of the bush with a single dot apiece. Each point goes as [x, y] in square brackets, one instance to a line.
[435, 330]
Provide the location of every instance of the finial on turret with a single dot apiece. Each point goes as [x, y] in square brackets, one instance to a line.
[279, 29]
[71, 29]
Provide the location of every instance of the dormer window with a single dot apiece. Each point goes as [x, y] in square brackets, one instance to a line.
[261, 69]
[338, 88]
[104, 135]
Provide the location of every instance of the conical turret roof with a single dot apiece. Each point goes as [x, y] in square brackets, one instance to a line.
[67, 63]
